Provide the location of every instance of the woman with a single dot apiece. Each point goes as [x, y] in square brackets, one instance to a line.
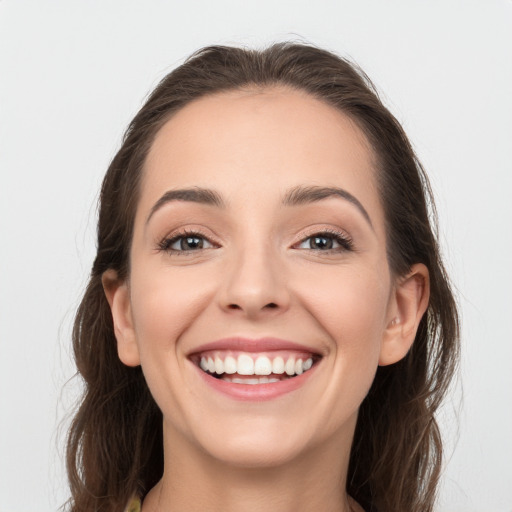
[268, 324]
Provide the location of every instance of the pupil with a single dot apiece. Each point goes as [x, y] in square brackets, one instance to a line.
[322, 242]
[191, 242]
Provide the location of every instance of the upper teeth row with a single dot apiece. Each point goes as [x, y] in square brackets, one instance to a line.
[245, 365]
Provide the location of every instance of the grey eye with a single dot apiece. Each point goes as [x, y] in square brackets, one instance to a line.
[189, 243]
[322, 242]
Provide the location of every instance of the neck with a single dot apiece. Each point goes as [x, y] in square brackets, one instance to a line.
[195, 481]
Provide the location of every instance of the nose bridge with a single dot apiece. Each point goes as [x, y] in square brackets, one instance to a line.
[255, 280]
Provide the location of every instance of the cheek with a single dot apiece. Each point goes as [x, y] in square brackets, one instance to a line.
[351, 307]
[350, 303]
[164, 305]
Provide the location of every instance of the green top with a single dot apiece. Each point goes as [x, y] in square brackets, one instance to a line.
[134, 505]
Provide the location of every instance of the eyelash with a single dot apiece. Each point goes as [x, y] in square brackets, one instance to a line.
[167, 243]
[344, 241]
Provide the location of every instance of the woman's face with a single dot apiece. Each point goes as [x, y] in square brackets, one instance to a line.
[258, 247]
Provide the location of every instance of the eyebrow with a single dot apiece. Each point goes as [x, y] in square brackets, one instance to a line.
[194, 195]
[311, 194]
[294, 197]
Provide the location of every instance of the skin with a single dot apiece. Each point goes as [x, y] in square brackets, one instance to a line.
[258, 275]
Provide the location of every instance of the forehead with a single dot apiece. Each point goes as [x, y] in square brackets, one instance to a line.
[253, 141]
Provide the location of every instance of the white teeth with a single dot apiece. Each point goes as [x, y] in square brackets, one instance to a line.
[219, 365]
[245, 365]
[278, 365]
[230, 365]
[259, 380]
[289, 367]
[263, 366]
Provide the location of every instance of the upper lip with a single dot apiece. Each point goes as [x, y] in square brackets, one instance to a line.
[242, 344]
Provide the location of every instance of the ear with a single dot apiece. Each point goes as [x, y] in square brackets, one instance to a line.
[118, 296]
[407, 307]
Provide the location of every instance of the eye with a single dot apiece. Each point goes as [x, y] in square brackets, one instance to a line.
[327, 242]
[185, 242]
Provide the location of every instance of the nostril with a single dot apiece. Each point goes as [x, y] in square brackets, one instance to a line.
[270, 305]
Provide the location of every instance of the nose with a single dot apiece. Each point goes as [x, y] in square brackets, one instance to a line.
[254, 284]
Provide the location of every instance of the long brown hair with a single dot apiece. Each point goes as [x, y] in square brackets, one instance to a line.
[115, 441]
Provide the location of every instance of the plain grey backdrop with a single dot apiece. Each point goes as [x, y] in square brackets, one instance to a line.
[73, 73]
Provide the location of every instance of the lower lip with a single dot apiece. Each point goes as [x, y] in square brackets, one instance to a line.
[256, 392]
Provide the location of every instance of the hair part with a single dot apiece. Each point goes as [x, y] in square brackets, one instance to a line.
[115, 442]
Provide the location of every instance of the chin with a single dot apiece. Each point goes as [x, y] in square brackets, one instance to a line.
[263, 442]
[253, 452]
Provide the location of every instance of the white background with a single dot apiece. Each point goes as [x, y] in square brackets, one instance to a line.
[73, 73]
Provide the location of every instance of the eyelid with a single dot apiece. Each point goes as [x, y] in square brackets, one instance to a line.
[167, 241]
[344, 239]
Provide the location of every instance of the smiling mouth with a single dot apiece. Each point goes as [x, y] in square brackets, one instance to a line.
[254, 368]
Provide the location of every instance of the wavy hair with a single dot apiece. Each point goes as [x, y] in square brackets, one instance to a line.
[115, 446]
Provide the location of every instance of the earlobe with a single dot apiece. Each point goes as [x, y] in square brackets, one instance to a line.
[118, 297]
[408, 305]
